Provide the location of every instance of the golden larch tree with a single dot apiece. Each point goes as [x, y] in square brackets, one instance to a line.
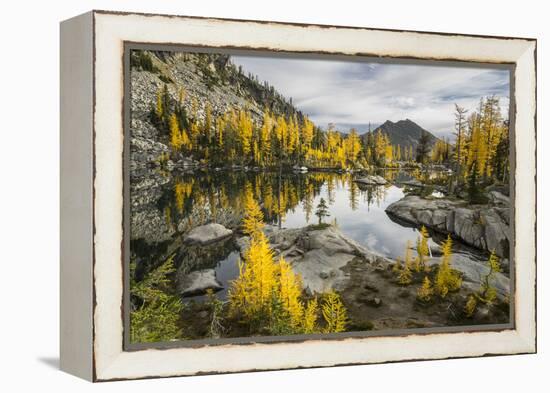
[334, 313]
[426, 291]
[405, 275]
[175, 134]
[290, 290]
[311, 316]
[447, 280]
[422, 250]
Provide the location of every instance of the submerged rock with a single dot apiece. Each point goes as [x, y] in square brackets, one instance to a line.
[198, 282]
[481, 226]
[208, 233]
[373, 180]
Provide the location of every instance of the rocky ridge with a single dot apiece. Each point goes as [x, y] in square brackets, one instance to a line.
[206, 79]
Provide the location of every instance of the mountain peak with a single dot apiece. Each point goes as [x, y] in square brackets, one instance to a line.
[403, 132]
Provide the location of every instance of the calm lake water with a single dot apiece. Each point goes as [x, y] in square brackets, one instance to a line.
[359, 211]
[366, 222]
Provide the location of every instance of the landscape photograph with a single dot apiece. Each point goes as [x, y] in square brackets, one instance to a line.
[283, 195]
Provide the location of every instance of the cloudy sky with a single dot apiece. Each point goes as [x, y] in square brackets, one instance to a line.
[352, 94]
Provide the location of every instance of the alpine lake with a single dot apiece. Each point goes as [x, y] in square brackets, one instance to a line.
[288, 200]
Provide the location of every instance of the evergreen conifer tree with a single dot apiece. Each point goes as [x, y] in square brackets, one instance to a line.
[322, 210]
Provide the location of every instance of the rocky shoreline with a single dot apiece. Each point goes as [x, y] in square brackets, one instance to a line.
[486, 227]
[328, 260]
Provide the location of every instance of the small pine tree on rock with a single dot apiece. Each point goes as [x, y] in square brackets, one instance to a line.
[322, 210]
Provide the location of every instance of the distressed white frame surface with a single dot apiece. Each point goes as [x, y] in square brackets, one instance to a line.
[112, 30]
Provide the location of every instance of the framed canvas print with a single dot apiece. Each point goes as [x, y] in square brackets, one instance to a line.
[246, 195]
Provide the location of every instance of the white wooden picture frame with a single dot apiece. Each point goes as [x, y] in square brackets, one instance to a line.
[92, 195]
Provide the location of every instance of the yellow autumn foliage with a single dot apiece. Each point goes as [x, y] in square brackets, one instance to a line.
[425, 292]
[251, 293]
[488, 291]
[253, 219]
[405, 274]
[269, 293]
[178, 138]
[310, 317]
[447, 280]
[334, 313]
[182, 191]
[422, 250]
[470, 307]
[245, 128]
[159, 109]
[396, 268]
[175, 136]
[289, 292]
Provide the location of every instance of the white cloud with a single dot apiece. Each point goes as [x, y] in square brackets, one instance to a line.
[358, 93]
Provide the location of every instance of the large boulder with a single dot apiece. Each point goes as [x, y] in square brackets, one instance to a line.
[483, 226]
[208, 233]
[332, 242]
[319, 254]
[198, 282]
